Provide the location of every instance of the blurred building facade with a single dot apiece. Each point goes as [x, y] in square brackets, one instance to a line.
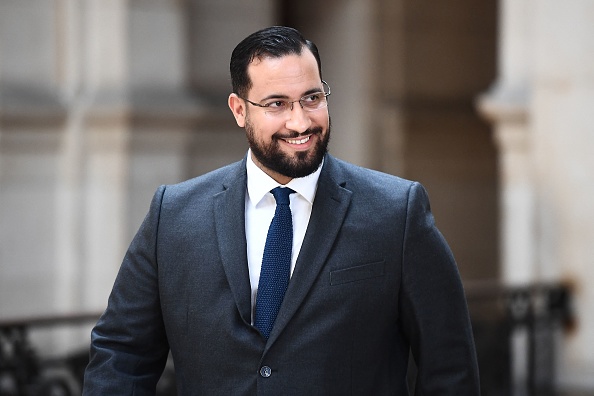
[486, 103]
[540, 107]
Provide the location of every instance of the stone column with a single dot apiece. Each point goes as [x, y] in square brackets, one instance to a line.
[68, 218]
[506, 106]
[103, 102]
[563, 125]
[541, 107]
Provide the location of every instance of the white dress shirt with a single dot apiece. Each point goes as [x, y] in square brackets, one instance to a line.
[260, 206]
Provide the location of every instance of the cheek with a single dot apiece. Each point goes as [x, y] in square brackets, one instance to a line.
[322, 119]
[261, 130]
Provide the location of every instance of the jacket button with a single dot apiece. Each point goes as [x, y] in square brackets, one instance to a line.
[265, 371]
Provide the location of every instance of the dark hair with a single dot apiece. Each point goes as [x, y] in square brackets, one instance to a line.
[274, 42]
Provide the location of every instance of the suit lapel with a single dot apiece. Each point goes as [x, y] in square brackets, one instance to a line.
[328, 212]
[229, 212]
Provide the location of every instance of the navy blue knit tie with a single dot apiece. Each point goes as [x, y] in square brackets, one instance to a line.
[276, 263]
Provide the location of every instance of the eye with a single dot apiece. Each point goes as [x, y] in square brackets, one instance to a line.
[277, 104]
[315, 97]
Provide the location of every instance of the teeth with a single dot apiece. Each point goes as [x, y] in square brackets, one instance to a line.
[298, 141]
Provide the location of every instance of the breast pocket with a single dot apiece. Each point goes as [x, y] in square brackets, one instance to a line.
[357, 273]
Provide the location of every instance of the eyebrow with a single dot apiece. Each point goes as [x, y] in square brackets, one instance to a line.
[279, 96]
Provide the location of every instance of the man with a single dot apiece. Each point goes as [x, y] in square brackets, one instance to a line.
[371, 278]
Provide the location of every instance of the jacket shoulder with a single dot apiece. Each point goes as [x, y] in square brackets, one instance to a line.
[373, 182]
[209, 183]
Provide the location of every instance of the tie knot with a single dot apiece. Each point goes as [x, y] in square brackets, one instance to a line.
[281, 194]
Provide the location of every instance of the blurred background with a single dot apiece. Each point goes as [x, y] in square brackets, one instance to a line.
[488, 103]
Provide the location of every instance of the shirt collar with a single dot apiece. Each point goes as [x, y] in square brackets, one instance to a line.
[259, 183]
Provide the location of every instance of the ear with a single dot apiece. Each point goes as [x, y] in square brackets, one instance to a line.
[237, 106]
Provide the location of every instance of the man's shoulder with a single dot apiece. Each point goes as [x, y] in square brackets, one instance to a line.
[209, 183]
[362, 177]
[372, 187]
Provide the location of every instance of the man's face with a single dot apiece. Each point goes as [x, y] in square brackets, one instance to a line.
[291, 144]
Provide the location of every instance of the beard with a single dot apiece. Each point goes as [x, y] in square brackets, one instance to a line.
[299, 164]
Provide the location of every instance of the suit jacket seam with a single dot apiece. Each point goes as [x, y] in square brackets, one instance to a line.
[163, 189]
[403, 243]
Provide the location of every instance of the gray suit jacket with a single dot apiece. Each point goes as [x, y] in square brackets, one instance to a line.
[374, 280]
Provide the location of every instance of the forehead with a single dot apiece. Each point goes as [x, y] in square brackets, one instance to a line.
[289, 74]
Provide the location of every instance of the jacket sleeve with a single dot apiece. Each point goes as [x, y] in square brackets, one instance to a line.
[434, 311]
[128, 345]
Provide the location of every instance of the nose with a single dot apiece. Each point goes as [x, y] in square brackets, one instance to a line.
[298, 120]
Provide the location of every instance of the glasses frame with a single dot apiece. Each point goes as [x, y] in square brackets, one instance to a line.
[326, 94]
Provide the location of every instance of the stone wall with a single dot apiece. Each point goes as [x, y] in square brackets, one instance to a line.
[541, 107]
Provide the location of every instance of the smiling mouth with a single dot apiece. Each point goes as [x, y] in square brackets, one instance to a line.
[298, 141]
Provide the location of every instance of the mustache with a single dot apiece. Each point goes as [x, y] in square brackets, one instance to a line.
[294, 135]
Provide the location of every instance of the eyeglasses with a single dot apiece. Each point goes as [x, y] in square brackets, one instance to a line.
[310, 102]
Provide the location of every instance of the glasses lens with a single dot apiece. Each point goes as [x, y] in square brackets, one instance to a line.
[276, 107]
[311, 102]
